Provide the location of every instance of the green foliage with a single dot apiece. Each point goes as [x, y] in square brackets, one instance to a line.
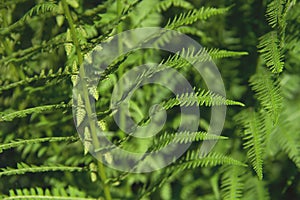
[255, 45]
[69, 193]
[271, 52]
[23, 168]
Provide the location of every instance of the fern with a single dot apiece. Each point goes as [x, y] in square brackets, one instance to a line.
[193, 159]
[42, 76]
[254, 138]
[163, 6]
[271, 52]
[29, 111]
[18, 143]
[202, 97]
[42, 8]
[183, 137]
[275, 13]
[232, 183]
[69, 193]
[268, 93]
[194, 15]
[23, 168]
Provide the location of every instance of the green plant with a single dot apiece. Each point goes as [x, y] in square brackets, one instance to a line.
[42, 46]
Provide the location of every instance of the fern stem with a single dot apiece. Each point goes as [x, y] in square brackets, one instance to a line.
[101, 169]
[120, 51]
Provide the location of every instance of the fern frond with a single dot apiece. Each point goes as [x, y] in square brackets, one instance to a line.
[254, 138]
[166, 4]
[271, 52]
[69, 193]
[274, 13]
[183, 137]
[255, 189]
[202, 97]
[188, 57]
[268, 93]
[29, 111]
[193, 16]
[23, 168]
[42, 76]
[41, 8]
[232, 183]
[220, 53]
[163, 6]
[14, 144]
[193, 159]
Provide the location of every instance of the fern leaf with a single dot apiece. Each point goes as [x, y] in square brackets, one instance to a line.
[42, 76]
[232, 183]
[268, 93]
[193, 159]
[179, 60]
[41, 8]
[36, 140]
[202, 97]
[29, 111]
[193, 16]
[254, 138]
[23, 168]
[69, 193]
[183, 137]
[274, 13]
[220, 53]
[271, 52]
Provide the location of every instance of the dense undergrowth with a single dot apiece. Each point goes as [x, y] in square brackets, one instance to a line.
[255, 45]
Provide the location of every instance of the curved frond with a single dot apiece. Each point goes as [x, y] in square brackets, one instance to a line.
[183, 137]
[29, 111]
[202, 97]
[41, 8]
[193, 159]
[193, 16]
[18, 143]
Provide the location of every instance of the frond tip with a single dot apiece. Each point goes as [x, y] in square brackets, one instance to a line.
[254, 138]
